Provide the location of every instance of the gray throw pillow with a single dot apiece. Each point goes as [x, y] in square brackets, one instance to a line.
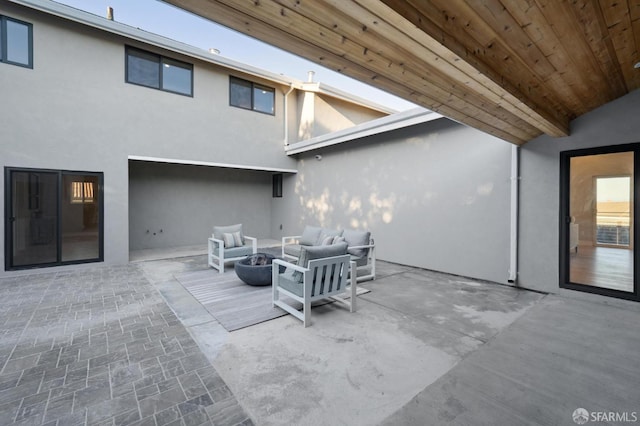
[325, 234]
[317, 252]
[219, 231]
[357, 238]
[310, 235]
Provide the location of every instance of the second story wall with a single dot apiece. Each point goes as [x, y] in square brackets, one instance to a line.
[76, 99]
[320, 114]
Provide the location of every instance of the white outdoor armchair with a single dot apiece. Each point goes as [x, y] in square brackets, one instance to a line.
[321, 278]
[228, 244]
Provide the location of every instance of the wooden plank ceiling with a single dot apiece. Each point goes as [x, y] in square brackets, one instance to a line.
[511, 68]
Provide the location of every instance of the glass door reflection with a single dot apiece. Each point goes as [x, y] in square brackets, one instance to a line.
[601, 221]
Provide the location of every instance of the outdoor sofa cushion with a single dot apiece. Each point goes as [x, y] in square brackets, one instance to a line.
[318, 252]
[310, 235]
[219, 231]
[356, 238]
[231, 252]
[293, 249]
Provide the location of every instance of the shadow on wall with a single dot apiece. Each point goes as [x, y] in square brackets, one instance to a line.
[438, 188]
[369, 182]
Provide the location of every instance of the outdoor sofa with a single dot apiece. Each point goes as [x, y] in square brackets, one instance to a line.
[360, 246]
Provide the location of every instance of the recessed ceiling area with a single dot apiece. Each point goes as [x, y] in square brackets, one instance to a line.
[514, 69]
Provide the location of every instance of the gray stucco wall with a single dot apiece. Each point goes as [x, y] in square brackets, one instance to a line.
[74, 111]
[613, 124]
[185, 202]
[319, 114]
[435, 195]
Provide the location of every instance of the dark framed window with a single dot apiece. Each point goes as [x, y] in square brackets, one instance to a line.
[16, 42]
[276, 182]
[53, 217]
[156, 71]
[248, 95]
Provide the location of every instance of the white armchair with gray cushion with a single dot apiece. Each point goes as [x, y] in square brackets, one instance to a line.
[322, 272]
[361, 246]
[228, 244]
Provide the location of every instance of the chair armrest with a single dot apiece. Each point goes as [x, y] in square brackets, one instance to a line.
[254, 243]
[291, 239]
[220, 243]
[289, 265]
[362, 247]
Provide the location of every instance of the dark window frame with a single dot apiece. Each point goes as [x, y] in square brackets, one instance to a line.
[8, 230]
[162, 60]
[4, 44]
[276, 183]
[565, 209]
[253, 86]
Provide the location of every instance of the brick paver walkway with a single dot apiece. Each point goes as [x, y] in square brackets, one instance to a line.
[101, 347]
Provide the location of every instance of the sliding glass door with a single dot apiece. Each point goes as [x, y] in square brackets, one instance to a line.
[52, 217]
[598, 221]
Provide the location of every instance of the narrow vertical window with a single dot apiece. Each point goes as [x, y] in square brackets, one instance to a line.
[277, 185]
[16, 42]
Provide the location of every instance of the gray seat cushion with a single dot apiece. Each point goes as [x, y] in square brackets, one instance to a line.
[293, 249]
[288, 282]
[234, 251]
[360, 260]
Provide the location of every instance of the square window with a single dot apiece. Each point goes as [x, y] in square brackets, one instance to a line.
[240, 93]
[143, 68]
[176, 77]
[263, 98]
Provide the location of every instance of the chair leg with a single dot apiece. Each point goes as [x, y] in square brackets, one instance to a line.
[306, 310]
[354, 286]
[274, 285]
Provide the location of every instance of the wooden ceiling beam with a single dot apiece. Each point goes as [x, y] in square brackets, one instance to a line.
[378, 37]
[299, 26]
[624, 35]
[551, 117]
[336, 52]
[514, 69]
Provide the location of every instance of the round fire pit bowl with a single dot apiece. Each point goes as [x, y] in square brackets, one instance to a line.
[256, 269]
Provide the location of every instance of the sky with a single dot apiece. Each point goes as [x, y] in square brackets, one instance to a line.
[163, 19]
[613, 189]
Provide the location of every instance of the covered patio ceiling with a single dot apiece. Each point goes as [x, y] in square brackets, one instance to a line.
[512, 68]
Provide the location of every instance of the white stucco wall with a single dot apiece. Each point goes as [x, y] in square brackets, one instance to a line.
[74, 111]
[612, 124]
[185, 202]
[435, 195]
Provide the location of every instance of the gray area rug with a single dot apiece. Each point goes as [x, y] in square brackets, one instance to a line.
[232, 302]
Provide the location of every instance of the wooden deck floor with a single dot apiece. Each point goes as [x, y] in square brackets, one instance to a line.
[604, 267]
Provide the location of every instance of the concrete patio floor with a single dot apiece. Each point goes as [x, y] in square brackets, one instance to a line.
[425, 348]
[129, 345]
